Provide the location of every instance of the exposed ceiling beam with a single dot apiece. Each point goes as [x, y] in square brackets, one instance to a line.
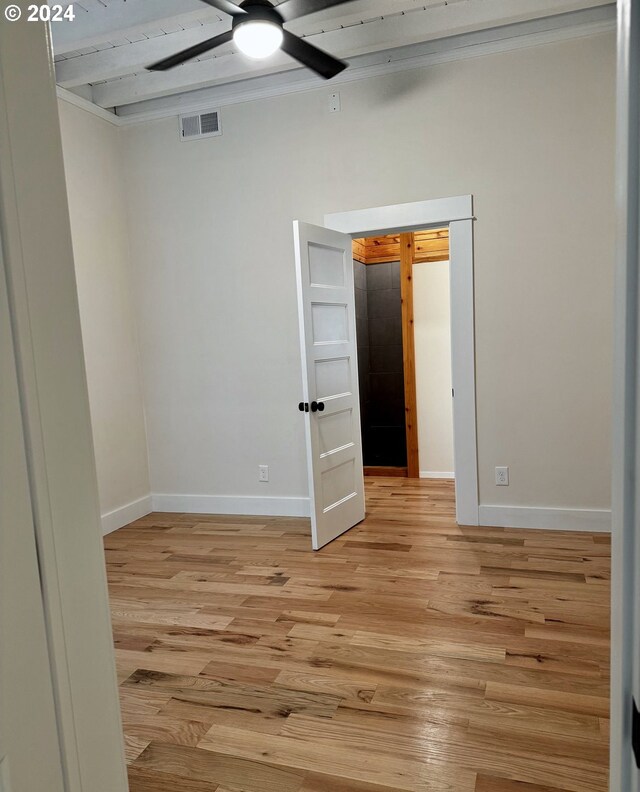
[469, 45]
[121, 17]
[384, 33]
[119, 61]
[228, 67]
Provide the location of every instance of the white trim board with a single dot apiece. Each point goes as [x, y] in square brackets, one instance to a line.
[436, 474]
[412, 216]
[89, 107]
[41, 285]
[126, 514]
[626, 397]
[267, 506]
[598, 520]
[457, 214]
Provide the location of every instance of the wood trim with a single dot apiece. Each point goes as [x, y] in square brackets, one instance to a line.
[425, 259]
[359, 250]
[431, 244]
[407, 251]
[379, 470]
[381, 259]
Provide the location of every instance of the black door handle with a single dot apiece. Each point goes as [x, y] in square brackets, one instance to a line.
[303, 406]
[317, 406]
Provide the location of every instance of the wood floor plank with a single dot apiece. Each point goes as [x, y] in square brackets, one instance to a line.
[493, 784]
[150, 781]
[234, 772]
[548, 699]
[318, 682]
[163, 727]
[436, 745]
[315, 782]
[398, 772]
[409, 655]
[274, 701]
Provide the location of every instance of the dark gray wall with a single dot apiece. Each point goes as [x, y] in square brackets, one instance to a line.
[379, 330]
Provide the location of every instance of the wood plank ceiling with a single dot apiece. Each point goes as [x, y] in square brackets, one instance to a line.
[429, 245]
[103, 54]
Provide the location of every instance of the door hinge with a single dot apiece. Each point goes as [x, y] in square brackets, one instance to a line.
[453, 393]
[635, 731]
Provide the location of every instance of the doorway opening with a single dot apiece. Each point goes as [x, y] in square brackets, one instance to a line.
[330, 388]
[456, 214]
[404, 353]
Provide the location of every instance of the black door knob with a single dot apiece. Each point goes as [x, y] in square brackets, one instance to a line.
[317, 406]
[303, 406]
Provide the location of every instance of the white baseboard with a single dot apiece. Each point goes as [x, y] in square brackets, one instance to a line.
[232, 504]
[117, 518]
[598, 520]
[436, 474]
[552, 519]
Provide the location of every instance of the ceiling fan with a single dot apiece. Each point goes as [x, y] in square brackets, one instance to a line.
[257, 29]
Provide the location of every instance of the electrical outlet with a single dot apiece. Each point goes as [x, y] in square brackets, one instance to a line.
[334, 103]
[502, 476]
[263, 472]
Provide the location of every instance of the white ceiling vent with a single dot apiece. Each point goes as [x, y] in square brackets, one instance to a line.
[200, 125]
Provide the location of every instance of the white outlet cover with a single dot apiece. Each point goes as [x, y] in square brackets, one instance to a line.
[502, 476]
[334, 103]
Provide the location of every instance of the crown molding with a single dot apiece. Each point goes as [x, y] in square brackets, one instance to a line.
[89, 107]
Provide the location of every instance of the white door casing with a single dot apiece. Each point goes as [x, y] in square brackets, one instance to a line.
[625, 565]
[45, 325]
[457, 214]
[28, 727]
[326, 306]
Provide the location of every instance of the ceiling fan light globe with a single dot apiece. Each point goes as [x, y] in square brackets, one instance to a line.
[258, 38]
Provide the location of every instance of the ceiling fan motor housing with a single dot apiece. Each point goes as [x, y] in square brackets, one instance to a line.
[257, 11]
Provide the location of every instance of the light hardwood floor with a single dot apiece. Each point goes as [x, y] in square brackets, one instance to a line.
[410, 654]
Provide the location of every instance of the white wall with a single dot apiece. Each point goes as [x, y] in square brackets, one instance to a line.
[529, 133]
[432, 337]
[98, 209]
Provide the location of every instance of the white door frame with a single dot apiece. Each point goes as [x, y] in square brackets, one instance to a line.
[625, 585]
[45, 320]
[457, 213]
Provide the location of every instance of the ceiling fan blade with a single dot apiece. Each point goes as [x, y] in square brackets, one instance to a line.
[315, 59]
[292, 9]
[226, 6]
[191, 52]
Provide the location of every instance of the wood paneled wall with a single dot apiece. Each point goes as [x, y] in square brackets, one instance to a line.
[430, 245]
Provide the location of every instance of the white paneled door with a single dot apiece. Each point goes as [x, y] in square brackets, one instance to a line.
[330, 404]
